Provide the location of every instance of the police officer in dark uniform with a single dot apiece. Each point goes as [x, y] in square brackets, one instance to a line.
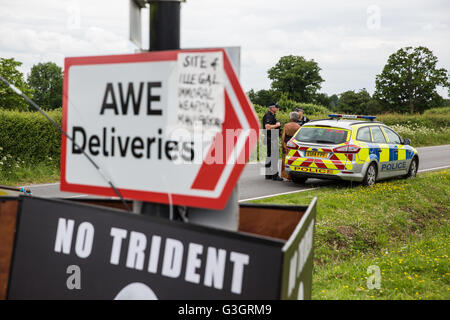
[272, 126]
[301, 119]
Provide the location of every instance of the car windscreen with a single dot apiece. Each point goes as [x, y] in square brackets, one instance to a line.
[321, 135]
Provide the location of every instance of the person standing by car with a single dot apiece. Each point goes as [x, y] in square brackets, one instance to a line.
[272, 126]
[302, 119]
[289, 130]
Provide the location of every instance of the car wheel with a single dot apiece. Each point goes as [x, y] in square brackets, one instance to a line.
[412, 172]
[371, 175]
[298, 180]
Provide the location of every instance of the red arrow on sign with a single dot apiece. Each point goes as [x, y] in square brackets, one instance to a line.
[213, 166]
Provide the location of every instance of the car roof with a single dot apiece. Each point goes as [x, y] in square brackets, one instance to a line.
[346, 124]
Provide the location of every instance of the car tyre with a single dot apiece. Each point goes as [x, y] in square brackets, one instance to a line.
[298, 180]
[371, 175]
[412, 172]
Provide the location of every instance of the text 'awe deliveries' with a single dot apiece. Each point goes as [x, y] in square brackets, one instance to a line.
[195, 99]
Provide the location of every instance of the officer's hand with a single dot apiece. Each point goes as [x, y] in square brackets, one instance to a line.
[278, 124]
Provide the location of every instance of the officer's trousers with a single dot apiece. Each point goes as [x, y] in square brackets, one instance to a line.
[271, 165]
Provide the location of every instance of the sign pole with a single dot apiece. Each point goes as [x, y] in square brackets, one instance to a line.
[165, 35]
[164, 25]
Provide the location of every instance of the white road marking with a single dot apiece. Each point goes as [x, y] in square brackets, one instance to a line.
[431, 169]
[277, 194]
[41, 185]
[441, 146]
[79, 196]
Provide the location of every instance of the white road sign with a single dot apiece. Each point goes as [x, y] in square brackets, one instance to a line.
[170, 127]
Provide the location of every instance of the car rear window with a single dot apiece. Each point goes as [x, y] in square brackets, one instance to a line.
[321, 135]
[364, 134]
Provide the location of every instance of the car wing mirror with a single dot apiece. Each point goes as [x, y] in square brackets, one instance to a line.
[406, 141]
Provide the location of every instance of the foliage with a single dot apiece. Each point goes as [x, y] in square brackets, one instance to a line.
[289, 105]
[263, 97]
[8, 98]
[296, 76]
[323, 99]
[437, 121]
[423, 136]
[352, 102]
[15, 171]
[29, 136]
[260, 109]
[441, 111]
[409, 80]
[46, 79]
[360, 102]
[334, 101]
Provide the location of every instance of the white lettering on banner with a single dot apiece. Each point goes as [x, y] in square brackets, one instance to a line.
[200, 90]
[154, 254]
[118, 235]
[173, 257]
[240, 260]
[300, 256]
[85, 239]
[214, 260]
[64, 234]
[215, 267]
[136, 247]
[144, 252]
[193, 262]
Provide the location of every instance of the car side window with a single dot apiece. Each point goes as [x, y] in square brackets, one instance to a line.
[392, 136]
[378, 136]
[364, 134]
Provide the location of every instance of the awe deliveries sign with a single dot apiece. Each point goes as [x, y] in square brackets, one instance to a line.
[169, 127]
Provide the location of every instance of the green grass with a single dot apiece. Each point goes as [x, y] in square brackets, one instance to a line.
[356, 226]
[417, 269]
[30, 174]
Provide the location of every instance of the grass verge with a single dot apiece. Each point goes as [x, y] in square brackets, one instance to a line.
[401, 226]
[30, 174]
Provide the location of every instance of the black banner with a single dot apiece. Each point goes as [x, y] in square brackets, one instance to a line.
[65, 250]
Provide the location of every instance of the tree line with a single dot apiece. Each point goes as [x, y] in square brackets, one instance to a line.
[407, 84]
[43, 84]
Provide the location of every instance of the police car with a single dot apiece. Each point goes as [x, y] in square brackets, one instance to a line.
[348, 148]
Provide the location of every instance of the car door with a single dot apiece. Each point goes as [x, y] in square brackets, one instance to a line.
[379, 139]
[397, 152]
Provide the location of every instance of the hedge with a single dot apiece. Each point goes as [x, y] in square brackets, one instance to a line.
[443, 111]
[427, 120]
[29, 136]
[308, 108]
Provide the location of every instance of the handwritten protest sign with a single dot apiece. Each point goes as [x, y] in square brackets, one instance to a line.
[200, 90]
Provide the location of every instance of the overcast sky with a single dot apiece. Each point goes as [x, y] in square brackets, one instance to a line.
[351, 40]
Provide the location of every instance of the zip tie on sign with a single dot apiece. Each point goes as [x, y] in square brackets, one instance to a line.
[32, 103]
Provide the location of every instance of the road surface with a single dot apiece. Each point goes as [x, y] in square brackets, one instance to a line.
[252, 184]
